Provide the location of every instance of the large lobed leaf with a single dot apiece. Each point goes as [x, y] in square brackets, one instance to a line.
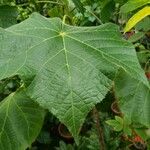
[20, 121]
[70, 68]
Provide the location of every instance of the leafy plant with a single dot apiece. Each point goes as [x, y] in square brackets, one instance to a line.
[120, 124]
[131, 6]
[57, 78]
[52, 66]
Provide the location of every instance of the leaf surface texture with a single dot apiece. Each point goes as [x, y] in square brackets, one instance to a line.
[70, 68]
[20, 121]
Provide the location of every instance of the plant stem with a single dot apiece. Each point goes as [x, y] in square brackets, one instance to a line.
[64, 19]
[146, 65]
[117, 111]
[100, 22]
[52, 2]
[99, 128]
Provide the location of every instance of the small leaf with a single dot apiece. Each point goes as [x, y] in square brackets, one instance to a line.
[136, 18]
[119, 119]
[115, 124]
[126, 126]
[127, 130]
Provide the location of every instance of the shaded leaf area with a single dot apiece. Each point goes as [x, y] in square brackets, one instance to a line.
[134, 99]
[21, 121]
[70, 68]
[79, 6]
[6, 2]
[107, 9]
[9, 85]
[8, 16]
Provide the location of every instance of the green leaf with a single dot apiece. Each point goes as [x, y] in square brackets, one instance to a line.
[117, 126]
[21, 121]
[126, 126]
[91, 141]
[72, 68]
[120, 2]
[107, 9]
[143, 133]
[79, 5]
[136, 36]
[133, 5]
[120, 124]
[133, 99]
[119, 119]
[143, 25]
[8, 16]
[143, 56]
[137, 18]
[127, 130]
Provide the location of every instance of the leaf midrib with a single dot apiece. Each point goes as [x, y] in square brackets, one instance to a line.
[70, 83]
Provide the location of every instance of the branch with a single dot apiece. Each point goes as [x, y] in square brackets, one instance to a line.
[99, 129]
[52, 2]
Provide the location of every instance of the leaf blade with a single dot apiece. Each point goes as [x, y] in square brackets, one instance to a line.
[132, 5]
[66, 64]
[19, 127]
[137, 18]
[133, 101]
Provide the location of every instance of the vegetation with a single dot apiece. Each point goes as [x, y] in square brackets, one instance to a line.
[74, 75]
